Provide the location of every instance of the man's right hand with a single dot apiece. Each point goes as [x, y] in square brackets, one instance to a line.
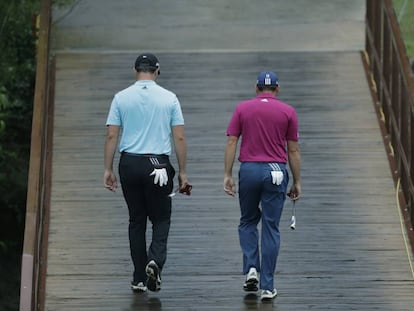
[110, 182]
[229, 186]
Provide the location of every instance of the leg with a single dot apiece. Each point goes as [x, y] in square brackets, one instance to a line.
[159, 211]
[160, 231]
[272, 206]
[134, 197]
[157, 252]
[249, 197]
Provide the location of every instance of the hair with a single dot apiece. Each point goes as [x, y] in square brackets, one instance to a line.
[146, 69]
[262, 88]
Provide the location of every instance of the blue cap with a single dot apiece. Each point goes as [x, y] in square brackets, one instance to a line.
[267, 78]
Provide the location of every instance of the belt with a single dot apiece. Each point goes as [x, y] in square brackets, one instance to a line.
[145, 155]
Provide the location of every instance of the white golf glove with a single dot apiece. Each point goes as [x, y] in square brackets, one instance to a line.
[160, 176]
[277, 177]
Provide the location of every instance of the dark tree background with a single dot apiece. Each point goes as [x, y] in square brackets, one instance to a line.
[17, 72]
[17, 79]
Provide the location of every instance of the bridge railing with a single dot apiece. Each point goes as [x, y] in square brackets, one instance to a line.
[39, 172]
[393, 84]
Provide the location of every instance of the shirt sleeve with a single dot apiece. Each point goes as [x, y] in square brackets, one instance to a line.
[177, 114]
[293, 130]
[234, 127]
[114, 115]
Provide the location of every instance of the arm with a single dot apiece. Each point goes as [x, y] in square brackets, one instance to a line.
[110, 146]
[229, 156]
[181, 152]
[294, 164]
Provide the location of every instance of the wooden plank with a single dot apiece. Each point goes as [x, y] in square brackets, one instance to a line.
[32, 245]
[347, 253]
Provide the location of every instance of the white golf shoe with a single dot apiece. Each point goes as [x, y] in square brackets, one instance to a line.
[268, 294]
[251, 280]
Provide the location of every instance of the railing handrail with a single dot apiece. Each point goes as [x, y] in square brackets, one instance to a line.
[36, 177]
[392, 81]
[401, 48]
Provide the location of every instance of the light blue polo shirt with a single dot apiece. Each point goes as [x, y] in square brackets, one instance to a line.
[146, 112]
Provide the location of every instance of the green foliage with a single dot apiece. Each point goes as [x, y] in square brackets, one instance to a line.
[404, 10]
[17, 79]
[17, 73]
[3, 247]
[17, 76]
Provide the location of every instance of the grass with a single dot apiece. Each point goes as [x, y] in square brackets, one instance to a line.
[405, 13]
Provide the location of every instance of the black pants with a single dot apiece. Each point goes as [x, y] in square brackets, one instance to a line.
[146, 201]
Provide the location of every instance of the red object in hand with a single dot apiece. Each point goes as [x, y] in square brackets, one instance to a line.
[187, 189]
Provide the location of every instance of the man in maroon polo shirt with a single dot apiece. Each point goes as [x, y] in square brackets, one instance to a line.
[269, 131]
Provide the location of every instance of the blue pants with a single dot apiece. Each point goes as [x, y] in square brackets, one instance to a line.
[256, 187]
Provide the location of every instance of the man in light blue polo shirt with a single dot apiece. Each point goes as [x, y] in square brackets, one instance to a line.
[150, 117]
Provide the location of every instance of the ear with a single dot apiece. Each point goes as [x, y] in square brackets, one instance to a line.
[277, 89]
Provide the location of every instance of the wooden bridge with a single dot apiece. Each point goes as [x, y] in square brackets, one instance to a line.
[350, 250]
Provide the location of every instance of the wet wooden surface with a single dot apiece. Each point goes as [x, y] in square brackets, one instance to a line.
[347, 252]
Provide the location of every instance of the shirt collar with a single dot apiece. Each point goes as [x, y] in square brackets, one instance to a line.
[266, 95]
[144, 82]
